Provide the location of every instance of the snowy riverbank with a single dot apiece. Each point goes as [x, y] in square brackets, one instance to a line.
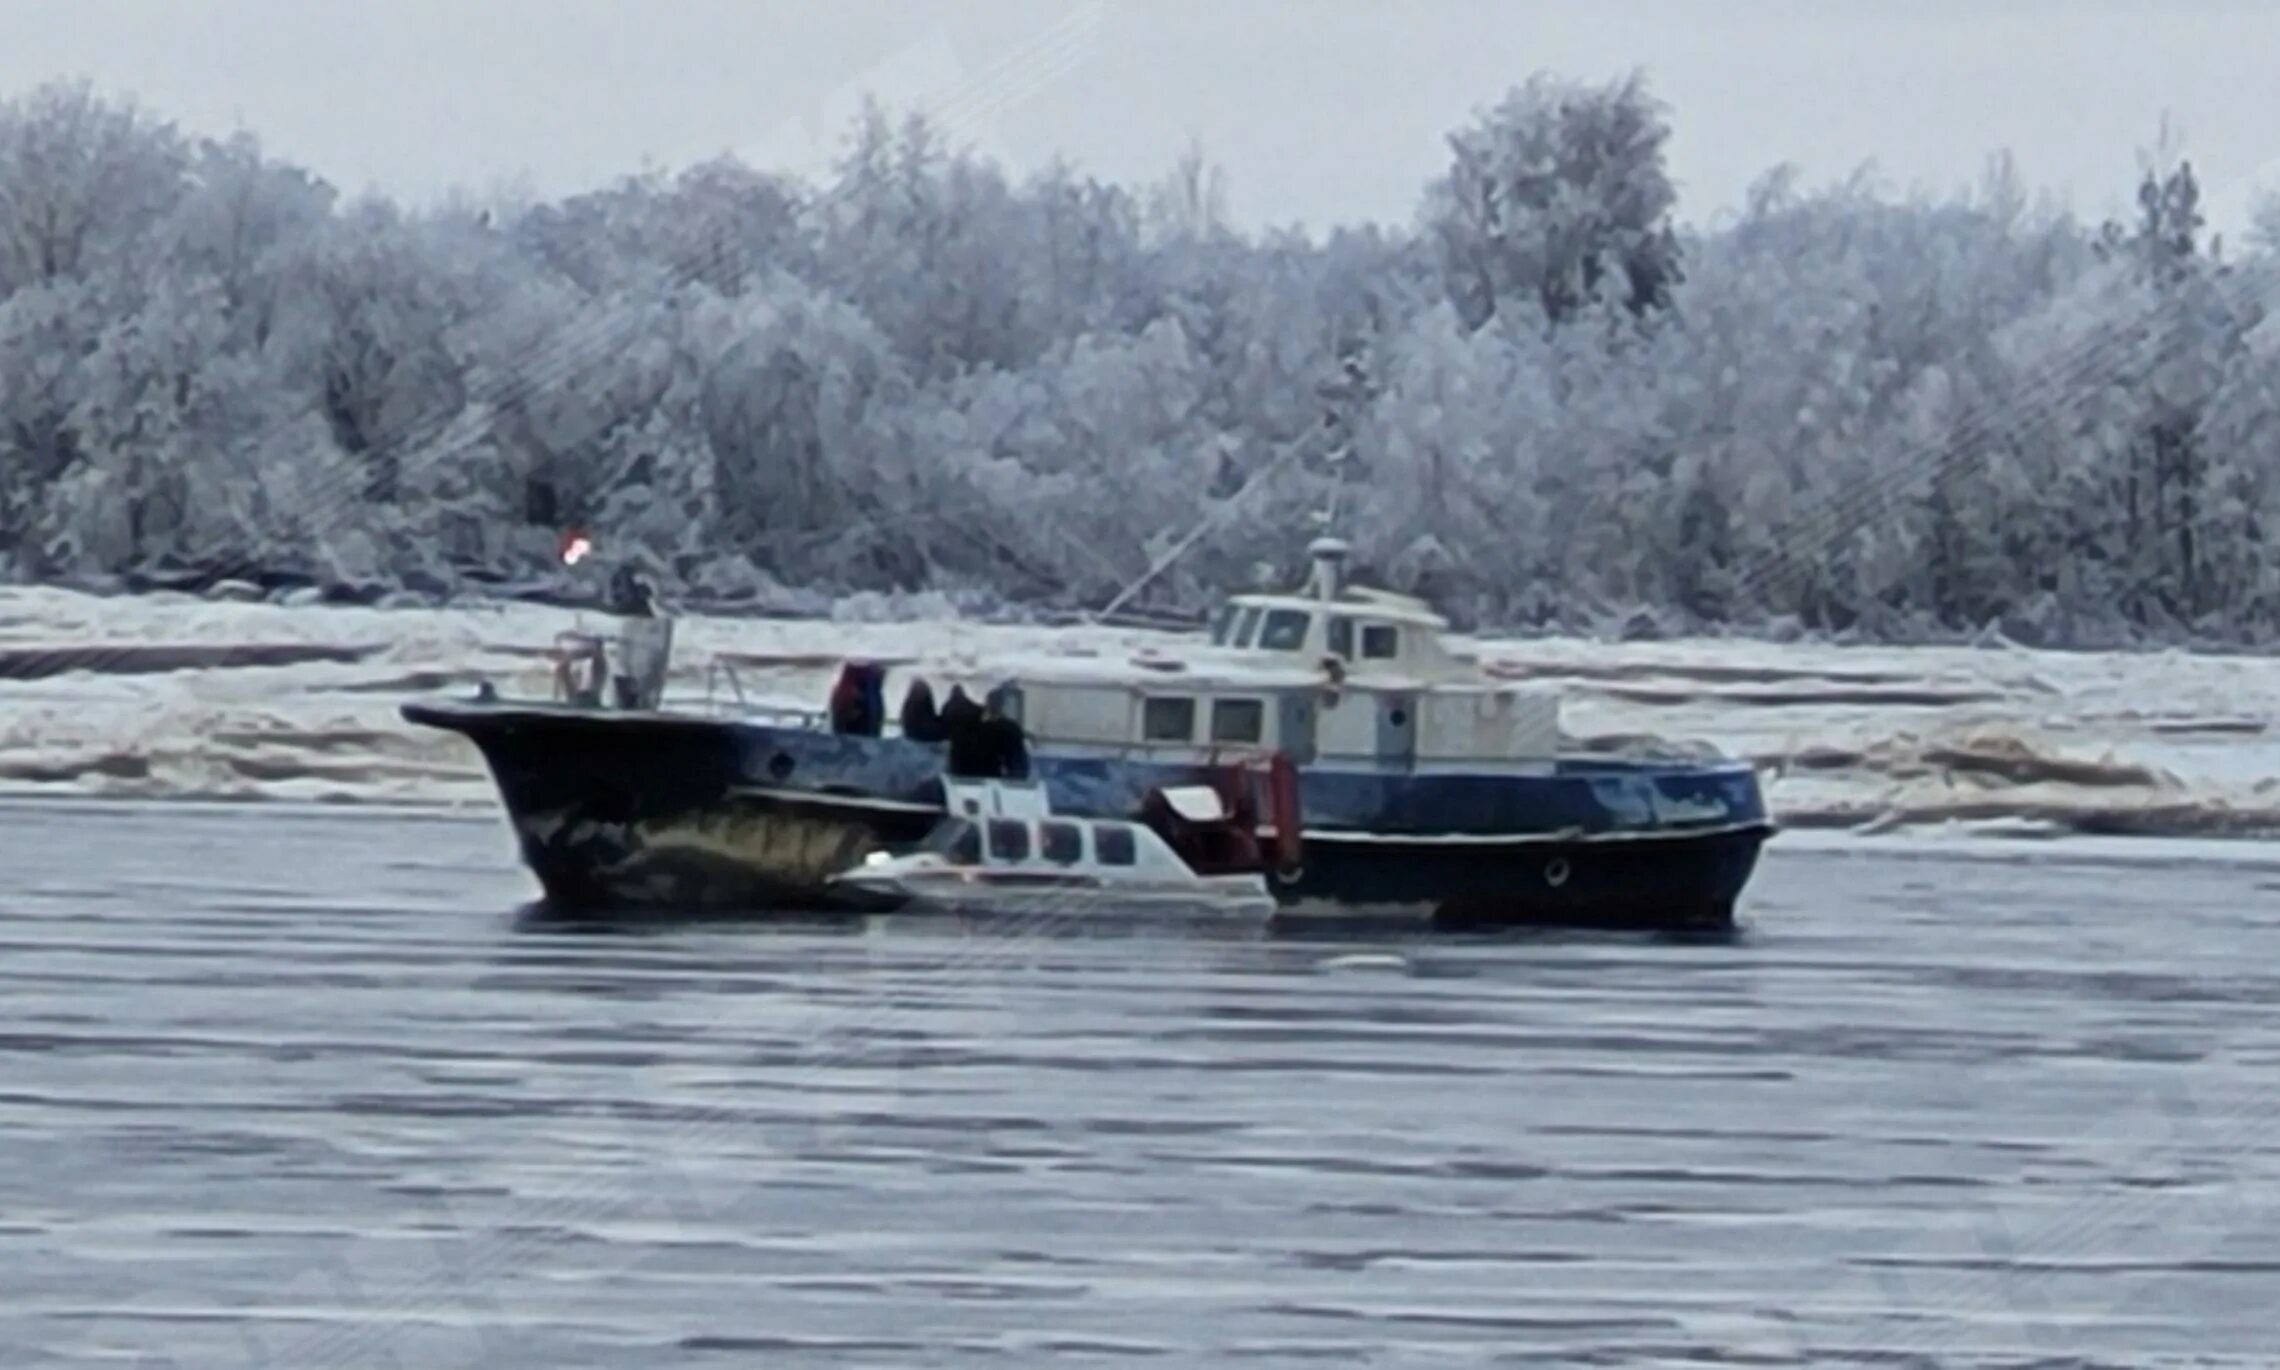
[173, 697]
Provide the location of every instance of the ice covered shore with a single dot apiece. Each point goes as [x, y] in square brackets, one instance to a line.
[166, 696]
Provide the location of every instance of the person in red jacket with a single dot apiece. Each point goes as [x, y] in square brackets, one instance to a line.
[854, 701]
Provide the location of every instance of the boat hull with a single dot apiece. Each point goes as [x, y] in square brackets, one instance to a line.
[1213, 898]
[1675, 880]
[615, 812]
[629, 811]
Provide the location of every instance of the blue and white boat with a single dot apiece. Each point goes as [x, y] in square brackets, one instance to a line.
[1427, 787]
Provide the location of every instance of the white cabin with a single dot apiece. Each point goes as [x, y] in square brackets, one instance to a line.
[1326, 673]
[1000, 838]
[1010, 824]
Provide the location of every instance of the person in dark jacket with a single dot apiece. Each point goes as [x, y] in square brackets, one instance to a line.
[960, 710]
[1006, 746]
[846, 701]
[921, 721]
[630, 595]
[961, 723]
[873, 681]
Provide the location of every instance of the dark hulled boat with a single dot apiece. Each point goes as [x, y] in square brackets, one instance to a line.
[1429, 788]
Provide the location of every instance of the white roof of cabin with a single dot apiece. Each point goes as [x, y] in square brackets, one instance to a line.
[974, 797]
[1382, 606]
[1202, 668]
[1199, 667]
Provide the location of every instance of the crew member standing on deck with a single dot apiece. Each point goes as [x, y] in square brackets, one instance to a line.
[857, 708]
[921, 721]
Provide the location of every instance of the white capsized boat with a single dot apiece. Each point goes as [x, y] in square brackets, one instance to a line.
[1000, 848]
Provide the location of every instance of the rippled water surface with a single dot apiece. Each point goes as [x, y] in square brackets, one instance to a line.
[290, 1087]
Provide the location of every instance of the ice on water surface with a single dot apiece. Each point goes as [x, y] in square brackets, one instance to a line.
[299, 703]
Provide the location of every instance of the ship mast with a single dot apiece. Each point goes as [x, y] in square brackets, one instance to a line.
[1344, 398]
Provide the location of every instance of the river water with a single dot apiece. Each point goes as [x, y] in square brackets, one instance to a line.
[283, 1086]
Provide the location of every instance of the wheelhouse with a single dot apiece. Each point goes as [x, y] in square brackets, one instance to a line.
[1365, 631]
[1329, 672]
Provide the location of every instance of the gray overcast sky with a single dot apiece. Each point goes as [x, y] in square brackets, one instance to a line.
[1320, 110]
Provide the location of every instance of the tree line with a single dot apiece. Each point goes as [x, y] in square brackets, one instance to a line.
[1544, 402]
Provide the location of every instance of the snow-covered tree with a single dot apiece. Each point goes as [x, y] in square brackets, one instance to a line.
[241, 215]
[1868, 412]
[377, 304]
[1556, 195]
[46, 331]
[81, 177]
[1190, 200]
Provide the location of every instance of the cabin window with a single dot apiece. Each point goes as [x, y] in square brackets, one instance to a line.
[1238, 720]
[1381, 641]
[1285, 630]
[1245, 626]
[1168, 718]
[1341, 640]
[1222, 624]
[1060, 843]
[1009, 840]
[1114, 846]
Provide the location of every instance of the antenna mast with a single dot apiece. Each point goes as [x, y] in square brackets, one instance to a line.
[1343, 397]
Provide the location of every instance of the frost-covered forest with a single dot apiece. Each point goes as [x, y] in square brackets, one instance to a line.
[1543, 402]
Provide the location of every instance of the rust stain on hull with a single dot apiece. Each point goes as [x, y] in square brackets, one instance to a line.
[750, 855]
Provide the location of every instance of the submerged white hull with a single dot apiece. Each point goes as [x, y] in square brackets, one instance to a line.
[1223, 896]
